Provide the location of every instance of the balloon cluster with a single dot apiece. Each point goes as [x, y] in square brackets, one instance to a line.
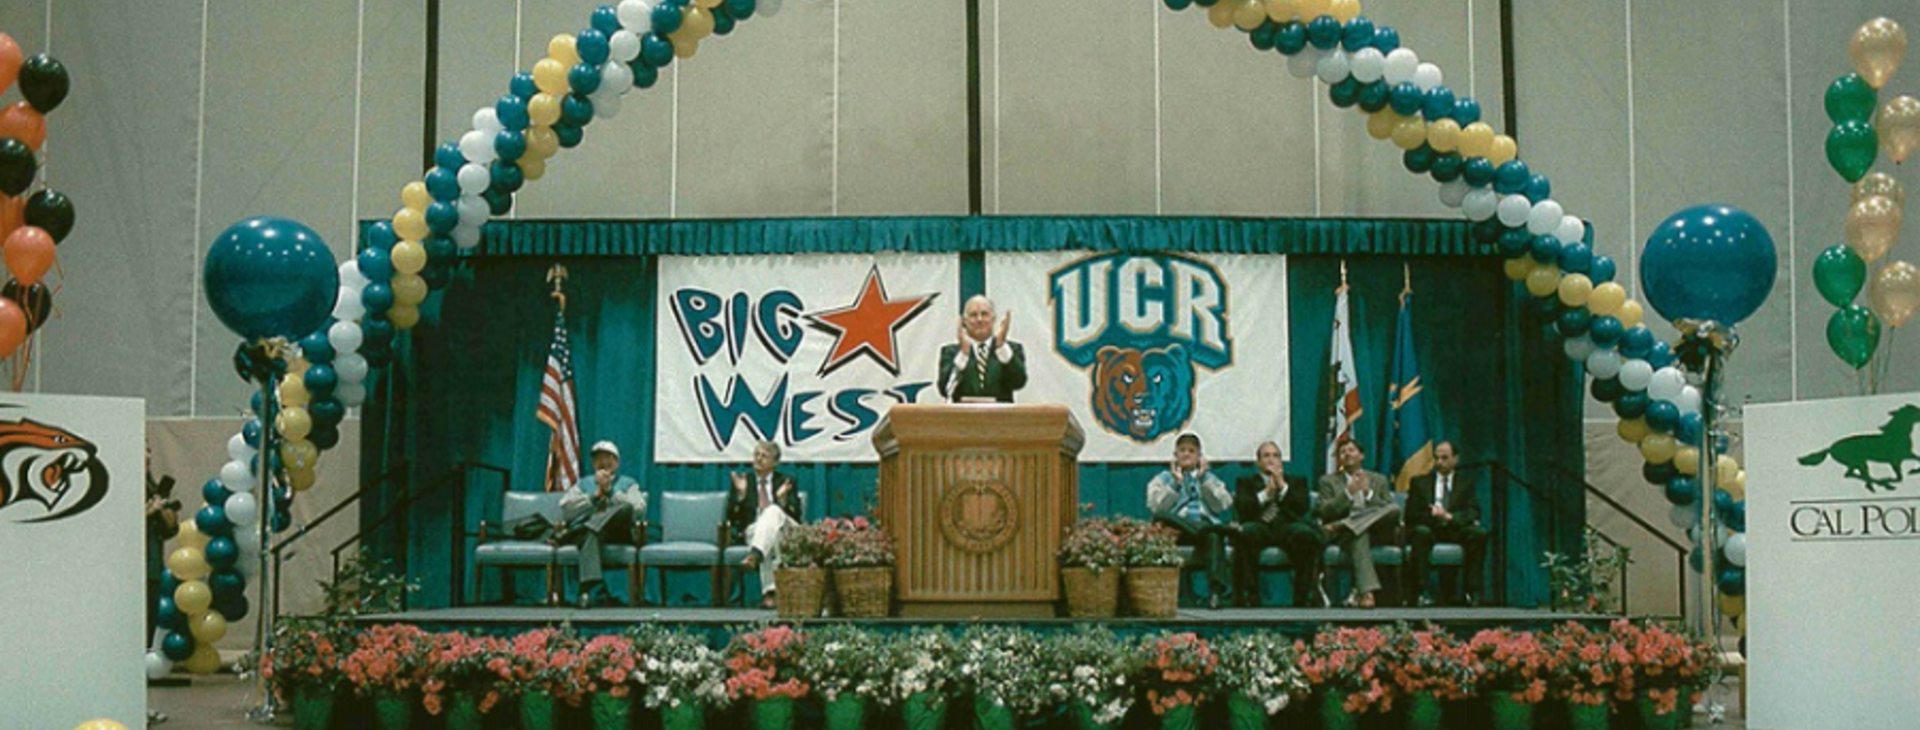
[30, 224]
[1873, 219]
[1549, 251]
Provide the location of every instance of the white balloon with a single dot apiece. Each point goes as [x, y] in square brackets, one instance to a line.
[616, 79]
[242, 510]
[1578, 348]
[236, 477]
[1683, 516]
[1635, 374]
[351, 367]
[350, 276]
[473, 210]
[1333, 67]
[477, 147]
[1544, 219]
[157, 665]
[1571, 229]
[466, 237]
[1368, 65]
[351, 394]
[637, 16]
[1305, 63]
[345, 337]
[237, 448]
[1689, 400]
[624, 46]
[1605, 362]
[1480, 204]
[1453, 193]
[1666, 384]
[1736, 549]
[474, 178]
[485, 119]
[1513, 210]
[1401, 65]
[607, 106]
[347, 306]
[1427, 76]
[247, 540]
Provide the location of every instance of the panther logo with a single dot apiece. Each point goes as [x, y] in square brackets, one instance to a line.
[1143, 394]
[51, 466]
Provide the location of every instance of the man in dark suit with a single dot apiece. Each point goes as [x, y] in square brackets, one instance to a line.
[1358, 509]
[759, 506]
[1441, 508]
[1276, 511]
[982, 365]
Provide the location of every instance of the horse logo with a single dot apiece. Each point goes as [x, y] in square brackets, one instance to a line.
[1892, 446]
[50, 466]
[1143, 394]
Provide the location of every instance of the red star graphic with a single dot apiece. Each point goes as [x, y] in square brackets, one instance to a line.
[868, 326]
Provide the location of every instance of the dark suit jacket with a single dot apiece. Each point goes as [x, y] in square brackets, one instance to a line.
[741, 512]
[999, 382]
[1461, 500]
[1333, 502]
[1295, 506]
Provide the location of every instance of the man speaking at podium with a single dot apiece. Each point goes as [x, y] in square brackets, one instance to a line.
[983, 366]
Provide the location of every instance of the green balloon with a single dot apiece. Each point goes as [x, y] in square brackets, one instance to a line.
[1850, 99]
[1854, 333]
[1851, 149]
[1839, 273]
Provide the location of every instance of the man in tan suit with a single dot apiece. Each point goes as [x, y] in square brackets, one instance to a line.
[1358, 509]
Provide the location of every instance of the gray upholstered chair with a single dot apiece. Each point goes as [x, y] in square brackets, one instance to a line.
[498, 549]
[687, 538]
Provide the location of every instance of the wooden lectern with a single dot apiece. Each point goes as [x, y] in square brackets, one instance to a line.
[977, 498]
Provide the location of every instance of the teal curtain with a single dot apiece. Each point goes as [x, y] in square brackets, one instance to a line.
[465, 384]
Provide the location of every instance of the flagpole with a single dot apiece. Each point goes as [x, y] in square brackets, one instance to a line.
[557, 275]
[1343, 277]
[1406, 270]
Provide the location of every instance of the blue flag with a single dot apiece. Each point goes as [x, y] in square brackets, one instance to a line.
[1409, 430]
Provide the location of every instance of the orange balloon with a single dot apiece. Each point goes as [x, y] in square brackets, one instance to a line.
[13, 213]
[10, 60]
[22, 122]
[29, 253]
[13, 327]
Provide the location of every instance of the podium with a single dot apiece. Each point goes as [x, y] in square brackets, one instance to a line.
[977, 498]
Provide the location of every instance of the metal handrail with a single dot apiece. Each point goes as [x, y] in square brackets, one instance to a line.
[1679, 550]
[403, 507]
[278, 548]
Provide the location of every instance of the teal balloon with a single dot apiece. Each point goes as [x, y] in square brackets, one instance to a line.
[1839, 273]
[1708, 262]
[1850, 99]
[1853, 333]
[270, 277]
[1851, 149]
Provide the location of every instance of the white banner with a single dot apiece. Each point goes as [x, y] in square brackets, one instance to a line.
[1831, 534]
[1143, 346]
[810, 351]
[71, 533]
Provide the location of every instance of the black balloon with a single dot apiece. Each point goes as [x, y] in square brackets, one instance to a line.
[17, 166]
[35, 300]
[44, 82]
[52, 212]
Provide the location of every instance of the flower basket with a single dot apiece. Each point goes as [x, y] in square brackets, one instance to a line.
[923, 665]
[1097, 672]
[1262, 670]
[990, 714]
[864, 592]
[1179, 718]
[1510, 713]
[393, 711]
[1657, 714]
[803, 592]
[1179, 672]
[1087, 717]
[1423, 711]
[536, 710]
[1153, 592]
[846, 712]
[773, 713]
[1588, 717]
[611, 712]
[1244, 712]
[1091, 593]
[463, 711]
[765, 665]
[465, 677]
[687, 714]
[924, 711]
[313, 708]
[1334, 714]
[676, 669]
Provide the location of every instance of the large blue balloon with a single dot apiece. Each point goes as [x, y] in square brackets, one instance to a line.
[271, 277]
[1708, 262]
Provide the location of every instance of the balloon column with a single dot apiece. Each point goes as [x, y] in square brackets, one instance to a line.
[1874, 215]
[31, 224]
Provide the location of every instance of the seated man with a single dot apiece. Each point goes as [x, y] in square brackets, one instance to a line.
[600, 511]
[1358, 509]
[1275, 511]
[1194, 502]
[761, 505]
[1439, 510]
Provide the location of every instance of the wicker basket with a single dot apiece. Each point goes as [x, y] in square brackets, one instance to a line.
[803, 592]
[864, 592]
[1153, 592]
[1091, 593]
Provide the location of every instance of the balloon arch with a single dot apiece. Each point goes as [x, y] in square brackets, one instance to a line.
[585, 75]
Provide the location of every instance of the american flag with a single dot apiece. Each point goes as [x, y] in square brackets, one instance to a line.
[557, 410]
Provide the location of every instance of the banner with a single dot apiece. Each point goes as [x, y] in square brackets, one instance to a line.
[808, 351]
[1832, 528]
[72, 531]
[1144, 346]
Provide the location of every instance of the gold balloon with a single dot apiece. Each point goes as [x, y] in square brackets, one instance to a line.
[293, 423]
[562, 48]
[410, 224]
[1632, 430]
[193, 597]
[191, 536]
[1476, 140]
[696, 23]
[1733, 606]
[542, 111]
[301, 479]
[1606, 299]
[1876, 50]
[1873, 224]
[208, 628]
[100, 724]
[1543, 280]
[1879, 183]
[205, 660]
[1686, 460]
[408, 257]
[1345, 10]
[1738, 486]
[543, 142]
[1444, 135]
[708, 4]
[1380, 124]
[550, 76]
[293, 393]
[1310, 9]
[409, 289]
[1281, 11]
[1631, 314]
[1249, 14]
[1725, 468]
[684, 48]
[532, 167]
[403, 316]
[1502, 150]
[189, 564]
[299, 453]
[1221, 14]
[1895, 293]
[1657, 448]
[1518, 268]
[415, 196]
[1411, 132]
[1899, 127]
[1574, 290]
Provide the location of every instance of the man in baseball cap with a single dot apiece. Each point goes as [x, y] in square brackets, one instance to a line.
[602, 506]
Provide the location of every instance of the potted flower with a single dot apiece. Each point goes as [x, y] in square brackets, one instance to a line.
[538, 662]
[1003, 669]
[679, 675]
[802, 574]
[1431, 667]
[1260, 673]
[861, 556]
[1092, 671]
[1666, 668]
[1090, 562]
[465, 678]
[925, 668]
[764, 667]
[1512, 669]
[602, 674]
[1590, 668]
[1179, 672]
[388, 663]
[849, 670]
[1350, 668]
[1153, 567]
[304, 667]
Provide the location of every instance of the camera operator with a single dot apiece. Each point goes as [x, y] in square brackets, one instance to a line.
[163, 522]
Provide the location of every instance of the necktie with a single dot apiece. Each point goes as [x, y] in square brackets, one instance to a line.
[980, 363]
[1446, 482]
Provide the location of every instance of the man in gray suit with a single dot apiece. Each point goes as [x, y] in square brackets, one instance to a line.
[1358, 509]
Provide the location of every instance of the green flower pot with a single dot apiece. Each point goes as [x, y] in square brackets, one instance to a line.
[1588, 717]
[1332, 715]
[536, 710]
[463, 710]
[1245, 713]
[924, 711]
[991, 715]
[847, 712]
[1179, 718]
[1510, 714]
[689, 714]
[1653, 719]
[774, 713]
[610, 712]
[393, 711]
[1423, 711]
[1083, 712]
[312, 708]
